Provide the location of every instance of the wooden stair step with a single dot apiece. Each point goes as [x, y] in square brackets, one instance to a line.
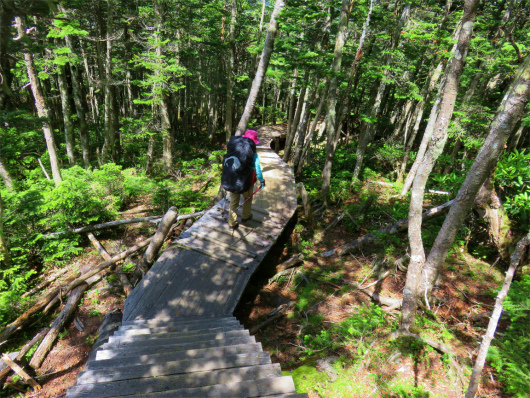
[133, 351]
[154, 358]
[164, 338]
[266, 232]
[192, 320]
[165, 330]
[182, 326]
[174, 368]
[244, 237]
[246, 389]
[140, 387]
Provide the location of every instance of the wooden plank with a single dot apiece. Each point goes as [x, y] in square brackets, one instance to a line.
[222, 244]
[157, 271]
[173, 275]
[167, 305]
[248, 239]
[245, 228]
[224, 278]
[264, 211]
[216, 254]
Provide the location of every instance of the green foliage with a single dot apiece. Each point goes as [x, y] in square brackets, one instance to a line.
[513, 177]
[509, 354]
[354, 329]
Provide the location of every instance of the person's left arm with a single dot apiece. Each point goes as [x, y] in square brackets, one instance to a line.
[257, 168]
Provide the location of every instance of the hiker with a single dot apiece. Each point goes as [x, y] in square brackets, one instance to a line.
[241, 169]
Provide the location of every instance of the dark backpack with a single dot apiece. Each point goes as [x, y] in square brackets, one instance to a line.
[238, 165]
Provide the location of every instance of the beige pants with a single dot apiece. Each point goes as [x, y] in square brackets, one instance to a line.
[234, 204]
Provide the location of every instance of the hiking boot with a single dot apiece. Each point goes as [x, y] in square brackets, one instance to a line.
[247, 219]
[235, 226]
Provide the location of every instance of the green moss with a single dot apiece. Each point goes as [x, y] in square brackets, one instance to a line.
[306, 378]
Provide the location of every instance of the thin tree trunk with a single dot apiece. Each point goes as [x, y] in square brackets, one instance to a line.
[40, 104]
[167, 145]
[4, 250]
[369, 130]
[301, 103]
[332, 99]
[303, 126]
[309, 137]
[262, 67]
[516, 258]
[79, 108]
[67, 114]
[439, 137]
[508, 115]
[108, 146]
[514, 141]
[4, 173]
[231, 72]
[292, 100]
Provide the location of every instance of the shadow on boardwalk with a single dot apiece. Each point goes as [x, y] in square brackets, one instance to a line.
[177, 337]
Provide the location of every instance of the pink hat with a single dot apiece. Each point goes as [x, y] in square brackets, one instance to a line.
[253, 135]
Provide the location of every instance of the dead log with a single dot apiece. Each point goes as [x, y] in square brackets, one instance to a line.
[57, 326]
[272, 319]
[279, 275]
[158, 239]
[127, 288]
[24, 350]
[49, 279]
[335, 222]
[44, 301]
[20, 372]
[366, 205]
[392, 229]
[292, 262]
[97, 227]
[308, 213]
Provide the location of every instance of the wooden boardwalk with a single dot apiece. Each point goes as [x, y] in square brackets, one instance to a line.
[178, 337]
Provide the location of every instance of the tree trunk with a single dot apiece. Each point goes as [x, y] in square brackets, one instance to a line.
[167, 145]
[516, 258]
[40, 104]
[67, 114]
[508, 115]
[303, 126]
[514, 140]
[69, 309]
[292, 100]
[231, 70]
[108, 146]
[301, 104]
[332, 99]
[79, 108]
[439, 137]
[4, 173]
[268, 47]
[369, 130]
[309, 138]
[4, 250]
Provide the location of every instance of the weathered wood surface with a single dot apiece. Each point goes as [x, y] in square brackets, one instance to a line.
[177, 338]
[206, 270]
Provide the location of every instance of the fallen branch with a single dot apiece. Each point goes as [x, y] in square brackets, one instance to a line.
[49, 279]
[20, 372]
[24, 350]
[272, 319]
[434, 344]
[392, 229]
[278, 276]
[292, 262]
[97, 227]
[58, 325]
[307, 206]
[158, 239]
[43, 302]
[126, 285]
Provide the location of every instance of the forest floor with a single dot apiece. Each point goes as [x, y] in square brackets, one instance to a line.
[325, 360]
[371, 364]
